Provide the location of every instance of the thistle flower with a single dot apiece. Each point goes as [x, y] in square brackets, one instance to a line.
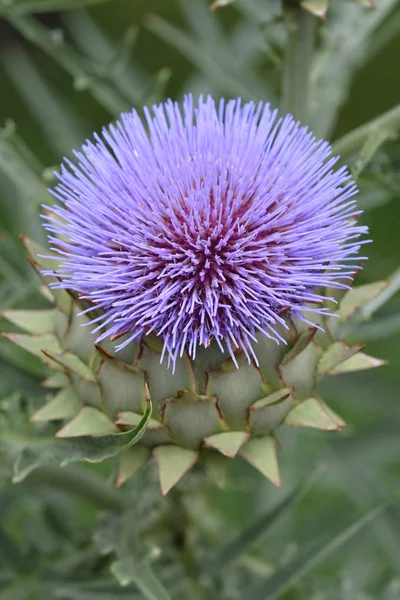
[209, 225]
[217, 231]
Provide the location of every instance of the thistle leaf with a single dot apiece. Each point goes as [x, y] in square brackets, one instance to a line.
[35, 452]
[58, 380]
[129, 461]
[64, 405]
[261, 454]
[71, 362]
[163, 382]
[358, 362]
[235, 390]
[314, 413]
[190, 418]
[301, 344]
[266, 414]
[359, 296]
[173, 462]
[227, 442]
[43, 257]
[337, 353]
[319, 8]
[38, 322]
[88, 421]
[299, 373]
[385, 294]
[97, 448]
[36, 344]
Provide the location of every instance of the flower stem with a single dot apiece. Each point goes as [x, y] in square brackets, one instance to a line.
[181, 526]
[300, 26]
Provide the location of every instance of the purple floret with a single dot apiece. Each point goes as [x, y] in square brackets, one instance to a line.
[207, 224]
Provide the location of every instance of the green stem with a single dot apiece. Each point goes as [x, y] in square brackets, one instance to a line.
[180, 525]
[389, 121]
[300, 25]
[79, 482]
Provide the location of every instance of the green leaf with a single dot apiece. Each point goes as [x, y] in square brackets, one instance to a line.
[281, 581]
[37, 322]
[36, 344]
[38, 253]
[173, 462]
[58, 380]
[337, 353]
[162, 381]
[359, 296]
[41, 260]
[358, 362]
[314, 413]
[63, 406]
[270, 354]
[235, 389]
[129, 461]
[266, 414]
[228, 442]
[300, 372]
[191, 418]
[34, 452]
[233, 550]
[71, 362]
[127, 571]
[220, 3]
[88, 421]
[261, 454]
[96, 448]
[127, 417]
[301, 344]
[386, 293]
[319, 8]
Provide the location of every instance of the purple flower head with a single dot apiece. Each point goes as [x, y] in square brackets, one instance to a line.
[205, 225]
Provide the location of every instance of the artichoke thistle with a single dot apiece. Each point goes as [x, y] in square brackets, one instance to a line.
[199, 269]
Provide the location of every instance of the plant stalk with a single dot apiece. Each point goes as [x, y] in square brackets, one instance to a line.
[300, 26]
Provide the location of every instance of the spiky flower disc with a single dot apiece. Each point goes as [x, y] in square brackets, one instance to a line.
[207, 225]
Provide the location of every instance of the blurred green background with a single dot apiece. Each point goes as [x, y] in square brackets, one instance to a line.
[124, 53]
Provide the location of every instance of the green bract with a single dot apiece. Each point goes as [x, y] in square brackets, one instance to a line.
[129, 404]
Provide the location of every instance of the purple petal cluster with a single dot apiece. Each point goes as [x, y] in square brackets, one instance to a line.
[203, 223]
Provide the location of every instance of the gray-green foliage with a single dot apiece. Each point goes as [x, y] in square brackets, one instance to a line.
[68, 533]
